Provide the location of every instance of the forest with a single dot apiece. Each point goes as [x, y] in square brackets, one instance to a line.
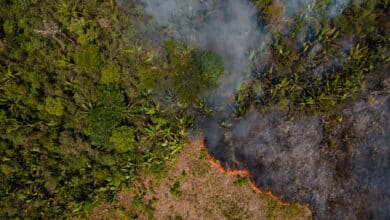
[93, 94]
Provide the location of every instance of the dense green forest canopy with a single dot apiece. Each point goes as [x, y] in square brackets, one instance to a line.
[78, 118]
[75, 123]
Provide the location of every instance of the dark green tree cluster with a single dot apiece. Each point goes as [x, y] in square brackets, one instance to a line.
[189, 76]
[76, 124]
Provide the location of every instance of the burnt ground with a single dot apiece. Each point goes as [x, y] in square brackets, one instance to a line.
[201, 192]
[340, 163]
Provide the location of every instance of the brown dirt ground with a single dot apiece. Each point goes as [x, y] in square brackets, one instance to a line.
[202, 192]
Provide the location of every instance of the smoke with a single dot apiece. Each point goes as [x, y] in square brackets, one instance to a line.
[311, 13]
[287, 156]
[228, 28]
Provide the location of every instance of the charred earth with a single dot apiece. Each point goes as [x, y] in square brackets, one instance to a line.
[338, 164]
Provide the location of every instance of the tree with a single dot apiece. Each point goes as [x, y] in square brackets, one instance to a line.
[122, 139]
[194, 72]
[54, 106]
[110, 74]
[88, 58]
[212, 66]
[105, 116]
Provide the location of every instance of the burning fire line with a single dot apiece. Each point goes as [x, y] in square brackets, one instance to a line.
[221, 169]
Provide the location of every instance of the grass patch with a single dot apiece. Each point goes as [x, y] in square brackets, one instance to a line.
[175, 190]
[241, 181]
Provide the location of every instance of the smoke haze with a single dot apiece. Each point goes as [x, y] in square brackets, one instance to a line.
[286, 156]
[293, 8]
[228, 28]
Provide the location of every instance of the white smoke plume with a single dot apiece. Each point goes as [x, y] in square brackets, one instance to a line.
[228, 28]
[286, 156]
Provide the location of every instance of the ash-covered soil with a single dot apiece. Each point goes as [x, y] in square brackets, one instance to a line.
[340, 163]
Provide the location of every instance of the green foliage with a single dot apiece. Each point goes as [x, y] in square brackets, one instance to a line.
[141, 208]
[325, 67]
[109, 112]
[86, 30]
[9, 27]
[275, 210]
[71, 138]
[187, 79]
[54, 106]
[234, 210]
[88, 58]
[190, 75]
[122, 139]
[195, 71]
[211, 65]
[110, 74]
[78, 121]
[175, 190]
[241, 181]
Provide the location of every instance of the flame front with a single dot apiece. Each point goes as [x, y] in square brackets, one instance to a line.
[221, 169]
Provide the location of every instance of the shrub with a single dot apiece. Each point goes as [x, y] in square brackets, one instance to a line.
[54, 106]
[88, 58]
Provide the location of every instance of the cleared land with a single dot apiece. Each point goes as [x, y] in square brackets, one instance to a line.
[195, 189]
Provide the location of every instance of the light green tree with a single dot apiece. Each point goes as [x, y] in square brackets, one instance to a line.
[54, 106]
[122, 139]
[110, 74]
[88, 58]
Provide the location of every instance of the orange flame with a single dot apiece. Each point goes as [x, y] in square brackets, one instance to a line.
[221, 169]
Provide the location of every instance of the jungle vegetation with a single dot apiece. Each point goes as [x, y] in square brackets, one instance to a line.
[79, 119]
[75, 123]
[317, 62]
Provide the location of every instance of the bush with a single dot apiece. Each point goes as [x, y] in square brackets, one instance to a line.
[54, 106]
[212, 66]
[108, 113]
[88, 58]
[122, 139]
[110, 74]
